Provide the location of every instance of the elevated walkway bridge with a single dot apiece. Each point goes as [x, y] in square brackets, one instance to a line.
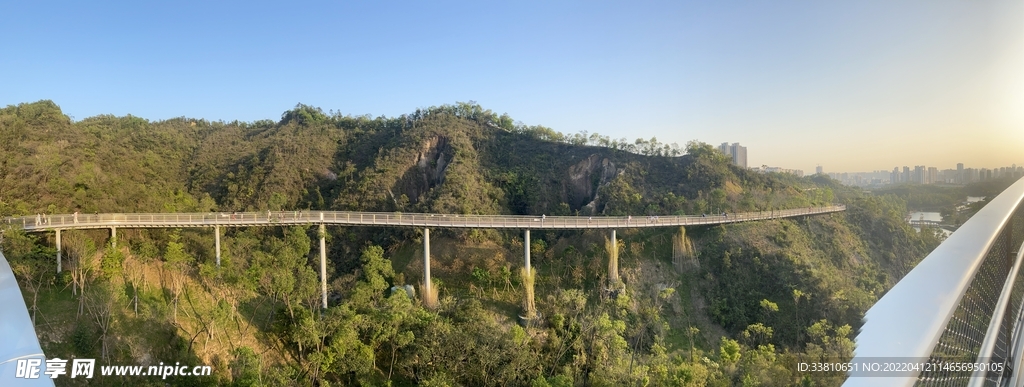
[396, 219]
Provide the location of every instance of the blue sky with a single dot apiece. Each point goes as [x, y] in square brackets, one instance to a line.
[853, 86]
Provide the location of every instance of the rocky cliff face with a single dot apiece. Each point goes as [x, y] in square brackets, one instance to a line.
[584, 180]
[427, 171]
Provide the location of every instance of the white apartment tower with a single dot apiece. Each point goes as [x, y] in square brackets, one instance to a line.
[737, 152]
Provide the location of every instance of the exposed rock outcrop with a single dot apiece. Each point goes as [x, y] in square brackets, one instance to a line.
[427, 171]
[584, 180]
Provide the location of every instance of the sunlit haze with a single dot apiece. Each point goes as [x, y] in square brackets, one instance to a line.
[852, 86]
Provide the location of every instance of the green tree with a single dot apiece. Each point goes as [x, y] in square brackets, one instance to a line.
[729, 351]
[376, 275]
[177, 266]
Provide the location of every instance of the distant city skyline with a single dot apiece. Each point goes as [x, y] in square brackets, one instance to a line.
[847, 85]
[923, 174]
[912, 165]
[940, 167]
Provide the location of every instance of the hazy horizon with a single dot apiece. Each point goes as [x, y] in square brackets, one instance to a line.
[853, 87]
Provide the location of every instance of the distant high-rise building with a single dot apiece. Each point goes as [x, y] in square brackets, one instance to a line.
[741, 155]
[819, 170]
[933, 175]
[894, 178]
[960, 173]
[737, 152]
[919, 174]
[906, 174]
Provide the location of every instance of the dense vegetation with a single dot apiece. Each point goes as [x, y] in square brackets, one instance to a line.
[724, 305]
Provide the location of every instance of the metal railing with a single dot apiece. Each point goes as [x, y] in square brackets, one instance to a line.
[276, 218]
[954, 319]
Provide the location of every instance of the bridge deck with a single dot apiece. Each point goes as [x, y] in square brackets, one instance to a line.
[390, 219]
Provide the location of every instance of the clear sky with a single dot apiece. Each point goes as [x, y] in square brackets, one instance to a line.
[850, 85]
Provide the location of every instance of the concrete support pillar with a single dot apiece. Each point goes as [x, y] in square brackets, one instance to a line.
[426, 263]
[323, 263]
[113, 237]
[528, 279]
[58, 251]
[526, 249]
[613, 262]
[216, 242]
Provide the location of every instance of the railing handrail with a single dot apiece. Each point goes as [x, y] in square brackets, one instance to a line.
[907, 322]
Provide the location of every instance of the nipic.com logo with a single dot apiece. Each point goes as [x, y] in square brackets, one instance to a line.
[29, 368]
[85, 368]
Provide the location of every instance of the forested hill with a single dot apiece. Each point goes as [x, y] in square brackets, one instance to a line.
[703, 306]
[460, 159]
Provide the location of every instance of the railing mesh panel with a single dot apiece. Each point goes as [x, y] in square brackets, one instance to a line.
[962, 339]
[1004, 343]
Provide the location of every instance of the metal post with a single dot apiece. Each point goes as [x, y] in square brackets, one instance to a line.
[58, 250]
[426, 262]
[216, 242]
[323, 263]
[613, 262]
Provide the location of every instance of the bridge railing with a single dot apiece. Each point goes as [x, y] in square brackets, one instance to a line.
[64, 221]
[954, 319]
